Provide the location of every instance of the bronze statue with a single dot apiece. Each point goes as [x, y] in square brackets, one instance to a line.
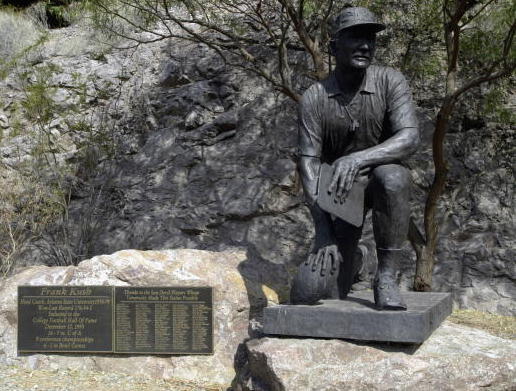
[355, 127]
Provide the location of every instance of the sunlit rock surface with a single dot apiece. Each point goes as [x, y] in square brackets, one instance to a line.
[234, 295]
[453, 358]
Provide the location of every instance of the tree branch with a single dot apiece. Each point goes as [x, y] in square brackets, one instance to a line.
[474, 16]
[486, 78]
[506, 70]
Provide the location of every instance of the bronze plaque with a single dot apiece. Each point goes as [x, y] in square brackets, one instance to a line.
[166, 320]
[65, 319]
[106, 319]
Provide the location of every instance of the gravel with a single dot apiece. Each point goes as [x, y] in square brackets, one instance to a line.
[22, 379]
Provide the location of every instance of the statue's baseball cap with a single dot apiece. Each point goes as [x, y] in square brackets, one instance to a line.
[355, 16]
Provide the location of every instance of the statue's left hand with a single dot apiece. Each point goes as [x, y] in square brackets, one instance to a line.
[316, 278]
[325, 259]
[345, 171]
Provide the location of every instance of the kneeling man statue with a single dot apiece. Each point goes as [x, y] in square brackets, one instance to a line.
[355, 128]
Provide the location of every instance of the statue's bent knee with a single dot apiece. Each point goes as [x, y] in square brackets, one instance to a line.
[392, 179]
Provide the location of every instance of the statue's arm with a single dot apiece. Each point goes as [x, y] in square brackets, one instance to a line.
[401, 113]
[309, 173]
[402, 144]
[399, 146]
[309, 163]
[309, 142]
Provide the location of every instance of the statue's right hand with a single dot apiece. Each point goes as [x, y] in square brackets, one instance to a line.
[345, 170]
[325, 260]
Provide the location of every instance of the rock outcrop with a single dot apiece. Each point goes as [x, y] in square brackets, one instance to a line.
[201, 156]
[453, 358]
[235, 296]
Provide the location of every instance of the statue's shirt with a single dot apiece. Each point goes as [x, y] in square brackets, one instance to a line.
[329, 129]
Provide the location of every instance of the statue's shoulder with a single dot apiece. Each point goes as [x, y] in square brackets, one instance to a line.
[385, 74]
[316, 87]
[320, 89]
[386, 80]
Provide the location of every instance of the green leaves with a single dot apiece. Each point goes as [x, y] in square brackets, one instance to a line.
[38, 103]
[483, 36]
[494, 102]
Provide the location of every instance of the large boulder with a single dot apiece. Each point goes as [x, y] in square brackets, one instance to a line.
[453, 358]
[234, 295]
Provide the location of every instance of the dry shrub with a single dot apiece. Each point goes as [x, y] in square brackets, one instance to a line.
[18, 32]
[27, 206]
[499, 325]
[37, 13]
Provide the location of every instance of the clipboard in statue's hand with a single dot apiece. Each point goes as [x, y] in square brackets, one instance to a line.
[352, 209]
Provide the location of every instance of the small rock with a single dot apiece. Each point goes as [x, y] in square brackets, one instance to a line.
[193, 120]
[209, 66]
[4, 121]
[173, 76]
[152, 122]
[8, 104]
[56, 124]
[217, 109]
[227, 120]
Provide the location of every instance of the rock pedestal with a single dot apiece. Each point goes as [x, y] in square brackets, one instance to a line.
[356, 318]
[233, 292]
[453, 358]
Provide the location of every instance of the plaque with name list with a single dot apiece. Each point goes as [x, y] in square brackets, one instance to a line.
[163, 320]
[106, 319]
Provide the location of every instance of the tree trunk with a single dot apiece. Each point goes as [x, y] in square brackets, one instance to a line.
[425, 258]
[425, 253]
[424, 269]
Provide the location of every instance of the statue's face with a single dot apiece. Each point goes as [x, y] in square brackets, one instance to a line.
[355, 47]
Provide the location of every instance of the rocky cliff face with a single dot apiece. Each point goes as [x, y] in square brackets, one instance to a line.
[201, 156]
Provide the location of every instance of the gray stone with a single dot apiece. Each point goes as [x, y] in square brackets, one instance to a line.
[173, 76]
[357, 318]
[235, 292]
[453, 358]
[193, 120]
[4, 121]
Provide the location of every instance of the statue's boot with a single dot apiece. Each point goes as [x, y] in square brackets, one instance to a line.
[386, 290]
